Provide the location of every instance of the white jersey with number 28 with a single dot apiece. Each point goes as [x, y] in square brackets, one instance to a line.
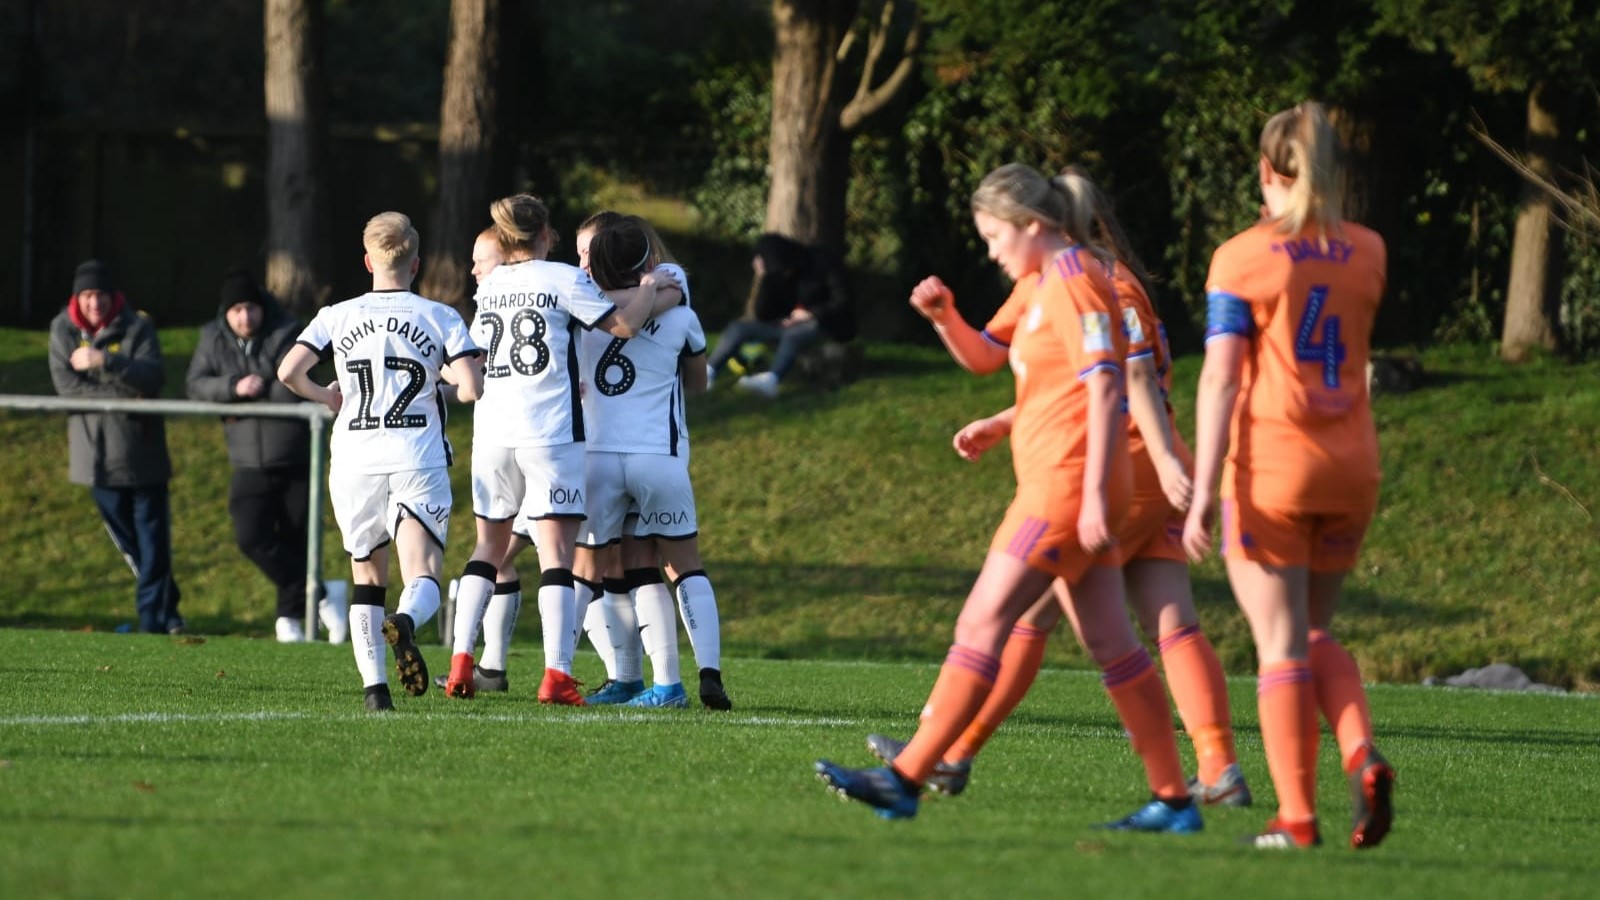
[529, 316]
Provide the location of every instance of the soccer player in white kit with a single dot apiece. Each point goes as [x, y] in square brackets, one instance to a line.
[528, 430]
[387, 479]
[638, 452]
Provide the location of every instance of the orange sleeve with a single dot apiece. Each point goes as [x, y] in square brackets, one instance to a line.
[1089, 326]
[1003, 324]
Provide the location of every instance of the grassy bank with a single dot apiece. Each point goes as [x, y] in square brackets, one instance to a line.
[841, 525]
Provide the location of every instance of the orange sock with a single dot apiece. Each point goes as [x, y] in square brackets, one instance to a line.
[1194, 676]
[1019, 666]
[1340, 696]
[964, 681]
[1136, 690]
[1289, 734]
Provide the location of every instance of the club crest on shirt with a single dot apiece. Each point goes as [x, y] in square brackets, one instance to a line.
[1096, 332]
[1130, 325]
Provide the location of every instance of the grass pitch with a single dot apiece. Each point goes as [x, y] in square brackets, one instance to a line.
[135, 766]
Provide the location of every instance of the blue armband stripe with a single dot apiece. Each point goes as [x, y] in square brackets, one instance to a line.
[994, 340]
[1227, 314]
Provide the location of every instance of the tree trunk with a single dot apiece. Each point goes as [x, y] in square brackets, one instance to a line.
[805, 118]
[467, 134]
[295, 131]
[1533, 296]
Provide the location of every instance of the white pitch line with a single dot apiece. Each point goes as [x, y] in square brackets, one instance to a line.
[661, 718]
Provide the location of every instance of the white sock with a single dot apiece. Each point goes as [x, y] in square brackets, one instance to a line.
[594, 624]
[555, 621]
[622, 622]
[698, 604]
[366, 638]
[499, 623]
[420, 600]
[471, 595]
[658, 631]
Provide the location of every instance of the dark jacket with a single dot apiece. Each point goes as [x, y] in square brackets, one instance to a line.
[221, 359]
[112, 450]
[804, 277]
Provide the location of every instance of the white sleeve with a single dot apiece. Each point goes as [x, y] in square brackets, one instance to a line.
[694, 342]
[457, 343]
[678, 274]
[584, 300]
[317, 336]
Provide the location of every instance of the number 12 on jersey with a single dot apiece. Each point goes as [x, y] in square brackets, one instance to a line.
[1328, 350]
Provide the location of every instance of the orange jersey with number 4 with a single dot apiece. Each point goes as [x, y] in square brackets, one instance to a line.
[1302, 433]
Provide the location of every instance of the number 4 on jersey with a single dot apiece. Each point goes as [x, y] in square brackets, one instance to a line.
[1328, 350]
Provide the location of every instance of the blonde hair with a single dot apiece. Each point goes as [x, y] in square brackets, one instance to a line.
[520, 220]
[1107, 229]
[1018, 194]
[1300, 143]
[391, 241]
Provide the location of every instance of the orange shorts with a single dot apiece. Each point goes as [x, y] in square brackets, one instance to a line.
[1323, 542]
[1153, 531]
[1041, 529]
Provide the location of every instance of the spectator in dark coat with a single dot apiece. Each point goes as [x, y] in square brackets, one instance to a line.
[801, 297]
[101, 348]
[236, 361]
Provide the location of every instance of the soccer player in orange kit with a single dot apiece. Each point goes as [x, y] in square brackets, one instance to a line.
[1155, 570]
[1284, 423]
[1074, 485]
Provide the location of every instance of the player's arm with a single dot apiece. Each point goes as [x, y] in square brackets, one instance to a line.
[967, 345]
[692, 369]
[1228, 329]
[657, 292]
[295, 373]
[1149, 411]
[465, 375]
[979, 437]
[1105, 394]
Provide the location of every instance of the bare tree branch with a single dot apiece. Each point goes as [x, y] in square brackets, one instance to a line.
[868, 101]
[1580, 208]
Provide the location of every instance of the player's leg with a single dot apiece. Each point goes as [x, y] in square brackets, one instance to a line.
[497, 488]
[1097, 608]
[1006, 586]
[554, 506]
[1270, 580]
[1337, 681]
[500, 617]
[420, 504]
[360, 507]
[667, 514]
[1163, 601]
[588, 585]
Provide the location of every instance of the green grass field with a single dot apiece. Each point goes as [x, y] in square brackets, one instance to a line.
[135, 767]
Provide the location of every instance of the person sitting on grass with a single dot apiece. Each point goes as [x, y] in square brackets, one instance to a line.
[800, 297]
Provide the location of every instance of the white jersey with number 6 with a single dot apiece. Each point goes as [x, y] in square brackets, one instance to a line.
[388, 348]
[529, 316]
[634, 401]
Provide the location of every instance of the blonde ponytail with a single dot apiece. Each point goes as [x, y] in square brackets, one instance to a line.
[1300, 143]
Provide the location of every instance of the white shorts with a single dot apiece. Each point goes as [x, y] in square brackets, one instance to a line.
[528, 483]
[657, 483]
[368, 507]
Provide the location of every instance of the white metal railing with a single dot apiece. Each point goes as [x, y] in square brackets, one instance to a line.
[315, 414]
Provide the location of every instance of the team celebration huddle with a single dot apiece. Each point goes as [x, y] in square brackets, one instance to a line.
[578, 376]
[580, 448]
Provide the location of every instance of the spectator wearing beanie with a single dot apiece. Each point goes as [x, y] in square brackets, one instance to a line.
[236, 361]
[101, 348]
